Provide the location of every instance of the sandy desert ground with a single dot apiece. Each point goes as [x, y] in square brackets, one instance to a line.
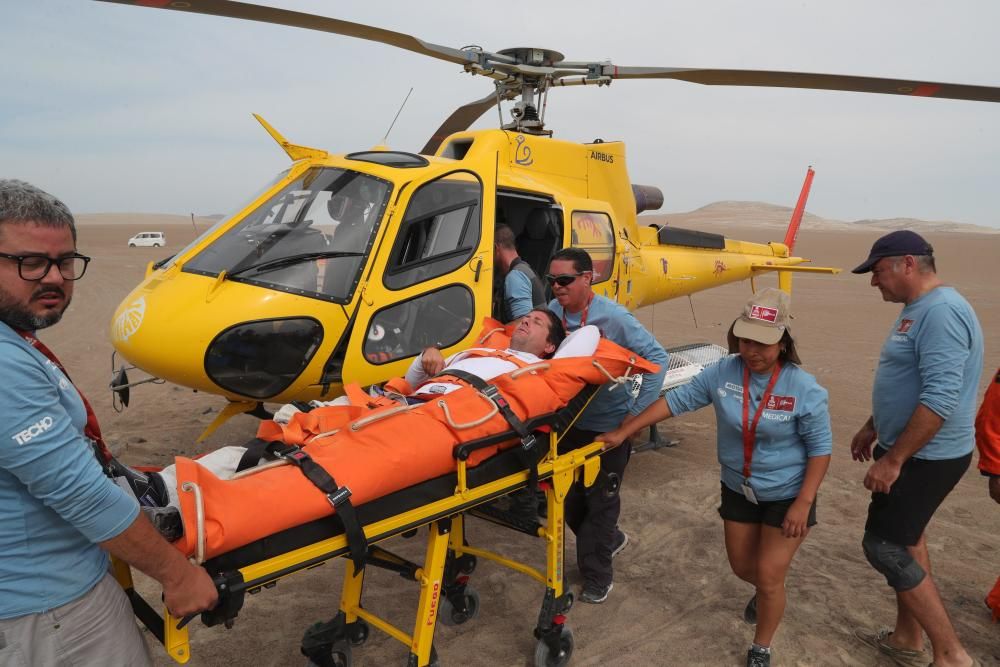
[675, 601]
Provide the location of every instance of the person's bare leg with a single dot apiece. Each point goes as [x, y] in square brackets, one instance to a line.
[742, 546]
[908, 633]
[774, 556]
[924, 605]
[920, 609]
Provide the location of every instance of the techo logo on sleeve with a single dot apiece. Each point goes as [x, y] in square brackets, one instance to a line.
[33, 431]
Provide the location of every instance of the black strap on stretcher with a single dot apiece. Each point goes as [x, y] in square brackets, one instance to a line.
[338, 496]
[527, 454]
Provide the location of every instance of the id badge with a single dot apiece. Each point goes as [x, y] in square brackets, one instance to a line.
[748, 492]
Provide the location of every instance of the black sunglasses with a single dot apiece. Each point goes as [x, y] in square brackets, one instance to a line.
[563, 279]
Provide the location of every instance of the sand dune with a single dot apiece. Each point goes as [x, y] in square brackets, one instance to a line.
[760, 214]
[675, 601]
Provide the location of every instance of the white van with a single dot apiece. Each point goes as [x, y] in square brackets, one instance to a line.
[155, 239]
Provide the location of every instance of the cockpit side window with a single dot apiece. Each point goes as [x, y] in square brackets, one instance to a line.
[439, 232]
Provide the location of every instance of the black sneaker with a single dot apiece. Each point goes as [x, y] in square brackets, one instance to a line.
[166, 520]
[621, 541]
[750, 612]
[595, 593]
[758, 657]
[148, 488]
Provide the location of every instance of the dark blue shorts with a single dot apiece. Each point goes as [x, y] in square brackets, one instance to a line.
[735, 507]
[901, 515]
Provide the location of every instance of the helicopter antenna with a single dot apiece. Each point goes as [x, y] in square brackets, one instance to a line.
[386, 137]
[693, 315]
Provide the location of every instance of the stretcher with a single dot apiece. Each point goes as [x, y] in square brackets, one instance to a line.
[440, 504]
[443, 577]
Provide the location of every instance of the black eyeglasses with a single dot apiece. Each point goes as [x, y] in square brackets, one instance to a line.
[36, 267]
[563, 279]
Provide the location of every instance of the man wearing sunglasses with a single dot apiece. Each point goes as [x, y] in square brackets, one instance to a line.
[593, 513]
[59, 513]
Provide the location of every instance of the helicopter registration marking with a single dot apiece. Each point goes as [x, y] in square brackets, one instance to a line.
[128, 322]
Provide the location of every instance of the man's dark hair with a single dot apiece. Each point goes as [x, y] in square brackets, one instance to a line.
[504, 237]
[557, 333]
[580, 258]
[23, 203]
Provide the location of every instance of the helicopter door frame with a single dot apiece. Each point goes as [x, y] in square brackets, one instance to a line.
[417, 283]
[537, 223]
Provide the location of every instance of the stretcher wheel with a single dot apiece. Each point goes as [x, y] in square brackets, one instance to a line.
[340, 656]
[545, 657]
[357, 632]
[466, 564]
[449, 615]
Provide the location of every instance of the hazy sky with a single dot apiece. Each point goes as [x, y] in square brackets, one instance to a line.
[116, 108]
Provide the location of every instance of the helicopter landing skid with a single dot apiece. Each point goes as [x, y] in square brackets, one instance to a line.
[655, 442]
[232, 409]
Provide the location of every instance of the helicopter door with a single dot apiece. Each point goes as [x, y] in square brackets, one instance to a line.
[593, 231]
[433, 286]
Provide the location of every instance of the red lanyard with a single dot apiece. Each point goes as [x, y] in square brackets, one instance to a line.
[92, 430]
[583, 318]
[750, 429]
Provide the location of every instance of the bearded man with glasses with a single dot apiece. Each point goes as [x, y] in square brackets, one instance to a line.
[592, 513]
[60, 514]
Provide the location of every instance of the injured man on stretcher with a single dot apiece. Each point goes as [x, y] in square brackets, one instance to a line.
[539, 335]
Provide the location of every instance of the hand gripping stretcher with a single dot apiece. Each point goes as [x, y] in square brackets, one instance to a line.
[495, 463]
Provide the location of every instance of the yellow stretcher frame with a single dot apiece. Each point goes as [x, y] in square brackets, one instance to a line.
[446, 535]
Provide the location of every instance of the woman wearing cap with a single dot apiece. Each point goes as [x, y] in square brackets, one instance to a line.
[774, 444]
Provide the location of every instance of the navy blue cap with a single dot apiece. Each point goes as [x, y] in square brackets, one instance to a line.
[895, 244]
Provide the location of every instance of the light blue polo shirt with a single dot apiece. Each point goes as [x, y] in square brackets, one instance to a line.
[933, 356]
[55, 501]
[788, 435]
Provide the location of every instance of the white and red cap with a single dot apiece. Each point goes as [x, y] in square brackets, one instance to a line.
[765, 317]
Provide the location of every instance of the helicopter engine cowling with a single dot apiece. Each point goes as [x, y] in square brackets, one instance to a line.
[647, 197]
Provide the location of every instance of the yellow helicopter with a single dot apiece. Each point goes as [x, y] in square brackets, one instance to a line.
[348, 265]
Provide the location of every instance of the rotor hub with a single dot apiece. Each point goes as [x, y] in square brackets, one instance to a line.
[536, 57]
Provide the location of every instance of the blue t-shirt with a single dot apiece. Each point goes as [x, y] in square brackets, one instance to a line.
[933, 356]
[613, 402]
[517, 294]
[55, 501]
[794, 428]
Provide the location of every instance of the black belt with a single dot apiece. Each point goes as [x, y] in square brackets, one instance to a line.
[527, 457]
[337, 496]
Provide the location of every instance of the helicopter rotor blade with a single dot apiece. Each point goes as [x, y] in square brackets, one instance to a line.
[286, 17]
[459, 121]
[771, 79]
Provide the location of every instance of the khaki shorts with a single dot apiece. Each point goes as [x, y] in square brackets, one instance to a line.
[95, 629]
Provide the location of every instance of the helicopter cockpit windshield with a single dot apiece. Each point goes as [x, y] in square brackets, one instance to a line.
[310, 238]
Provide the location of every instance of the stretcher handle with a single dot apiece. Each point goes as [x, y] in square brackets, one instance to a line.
[192, 487]
[476, 422]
